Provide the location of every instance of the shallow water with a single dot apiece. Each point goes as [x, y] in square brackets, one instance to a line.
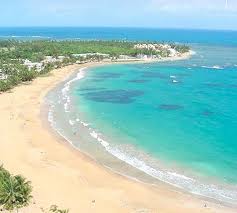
[175, 121]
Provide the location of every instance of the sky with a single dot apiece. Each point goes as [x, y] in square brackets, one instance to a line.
[204, 14]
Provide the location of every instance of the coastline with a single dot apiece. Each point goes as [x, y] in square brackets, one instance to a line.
[57, 170]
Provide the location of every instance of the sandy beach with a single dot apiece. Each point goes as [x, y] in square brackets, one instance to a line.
[62, 175]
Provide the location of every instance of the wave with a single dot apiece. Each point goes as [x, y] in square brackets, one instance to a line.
[66, 89]
[24, 36]
[192, 52]
[217, 67]
[130, 156]
[173, 77]
[170, 177]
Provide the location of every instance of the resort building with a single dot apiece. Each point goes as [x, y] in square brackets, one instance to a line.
[2, 75]
[37, 65]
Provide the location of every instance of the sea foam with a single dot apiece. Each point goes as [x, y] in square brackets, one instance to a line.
[179, 180]
[170, 177]
[66, 89]
[216, 67]
[173, 178]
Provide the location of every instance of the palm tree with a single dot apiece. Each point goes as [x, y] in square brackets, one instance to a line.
[15, 191]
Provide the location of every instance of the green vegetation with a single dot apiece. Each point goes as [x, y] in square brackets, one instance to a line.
[15, 191]
[16, 73]
[180, 48]
[55, 209]
[37, 50]
[22, 61]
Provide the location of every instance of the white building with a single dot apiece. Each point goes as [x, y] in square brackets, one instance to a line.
[51, 59]
[173, 52]
[2, 75]
[30, 65]
[157, 48]
[84, 55]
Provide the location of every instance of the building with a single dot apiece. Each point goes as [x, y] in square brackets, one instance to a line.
[2, 75]
[37, 65]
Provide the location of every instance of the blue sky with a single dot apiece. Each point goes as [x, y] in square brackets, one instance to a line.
[211, 14]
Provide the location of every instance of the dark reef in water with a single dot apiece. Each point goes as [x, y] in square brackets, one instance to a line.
[138, 81]
[183, 74]
[91, 89]
[113, 96]
[170, 107]
[106, 75]
[97, 79]
[233, 85]
[207, 113]
[149, 74]
[218, 85]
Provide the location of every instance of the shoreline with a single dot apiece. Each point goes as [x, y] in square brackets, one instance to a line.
[114, 163]
[56, 170]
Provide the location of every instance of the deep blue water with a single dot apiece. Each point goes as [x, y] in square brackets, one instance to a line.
[172, 35]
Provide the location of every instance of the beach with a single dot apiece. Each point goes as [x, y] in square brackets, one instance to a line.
[62, 175]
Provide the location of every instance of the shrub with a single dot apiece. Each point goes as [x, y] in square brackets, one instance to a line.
[47, 69]
[27, 75]
[5, 85]
[13, 80]
[15, 191]
[54, 209]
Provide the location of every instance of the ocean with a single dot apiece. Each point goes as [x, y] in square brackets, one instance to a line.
[174, 121]
[122, 33]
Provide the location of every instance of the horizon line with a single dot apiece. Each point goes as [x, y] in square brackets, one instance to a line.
[133, 27]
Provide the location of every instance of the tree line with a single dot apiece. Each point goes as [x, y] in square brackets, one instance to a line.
[14, 52]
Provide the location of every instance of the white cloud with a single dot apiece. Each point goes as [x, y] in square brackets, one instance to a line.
[157, 13]
[194, 5]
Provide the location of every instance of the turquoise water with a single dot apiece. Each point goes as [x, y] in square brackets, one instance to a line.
[192, 122]
[176, 121]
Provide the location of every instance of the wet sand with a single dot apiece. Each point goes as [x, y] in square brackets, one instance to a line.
[62, 175]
